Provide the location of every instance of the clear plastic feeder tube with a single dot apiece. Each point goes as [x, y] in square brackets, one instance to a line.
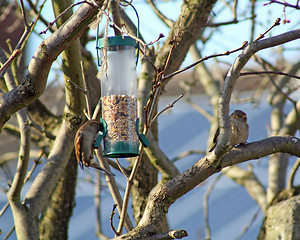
[119, 102]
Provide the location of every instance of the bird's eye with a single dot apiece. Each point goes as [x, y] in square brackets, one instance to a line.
[236, 116]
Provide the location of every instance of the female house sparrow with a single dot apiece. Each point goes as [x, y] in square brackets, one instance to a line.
[239, 129]
[84, 144]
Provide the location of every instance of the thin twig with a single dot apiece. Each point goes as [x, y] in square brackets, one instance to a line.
[113, 188]
[88, 114]
[169, 22]
[41, 129]
[278, 88]
[269, 72]
[284, 3]
[4, 209]
[199, 109]
[205, 205]
[233, 21]
[156, 40]
[97, 201]
[246, 228]
[29, 174]
[128, 190]
[24, 14]
[204, 59]
[42, 19]
[153, 99]
[122, 169]
[64, 12]
[187, 153]
[9, 233]
[111, 219]
[77, 86]
[36, 163]
[21, 44]
[276, 23]
[166, 108]
[292, 174]
[286, 95]
[97, 110]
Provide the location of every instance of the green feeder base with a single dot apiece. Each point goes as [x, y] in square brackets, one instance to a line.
[121, 150]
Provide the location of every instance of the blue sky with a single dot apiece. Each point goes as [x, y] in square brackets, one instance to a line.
[227, 38]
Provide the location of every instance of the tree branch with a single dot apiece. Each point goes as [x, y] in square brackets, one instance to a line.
[35, 80]
[194, 15]
[269, 72]
[164, 196]
[14, 194]
[112, 185]
[22, 42]
[232, 77]
[284, 3]
[160, 15]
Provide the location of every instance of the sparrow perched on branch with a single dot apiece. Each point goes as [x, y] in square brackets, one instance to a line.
[84, 144]
[239, 129]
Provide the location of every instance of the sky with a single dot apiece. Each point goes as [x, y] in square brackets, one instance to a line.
[228, 38]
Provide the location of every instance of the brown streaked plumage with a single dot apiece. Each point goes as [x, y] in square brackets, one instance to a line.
[84, 144]
[239, 129]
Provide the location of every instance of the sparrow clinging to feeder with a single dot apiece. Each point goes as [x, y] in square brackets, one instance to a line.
[84, 144]
[239, 129]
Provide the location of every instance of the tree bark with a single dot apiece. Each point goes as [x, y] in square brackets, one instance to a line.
[55, 219]
[278, 163]
[183, 34]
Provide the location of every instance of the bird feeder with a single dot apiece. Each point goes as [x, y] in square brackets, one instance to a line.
[119, 97]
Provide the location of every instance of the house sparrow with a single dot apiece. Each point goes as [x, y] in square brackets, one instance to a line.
[84, 144]
[239, 129]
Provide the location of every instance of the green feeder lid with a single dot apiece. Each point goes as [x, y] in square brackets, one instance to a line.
[118, 41]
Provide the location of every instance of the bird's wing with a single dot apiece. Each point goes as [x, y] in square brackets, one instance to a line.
[78, 148]
[216, 135]
[215, 140]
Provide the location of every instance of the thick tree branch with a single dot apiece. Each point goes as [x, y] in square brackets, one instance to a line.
[20, 214]
[232, 77]
[44, 183]
[23, 159]
[164, 196]
[193, 16]
[35, 80]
